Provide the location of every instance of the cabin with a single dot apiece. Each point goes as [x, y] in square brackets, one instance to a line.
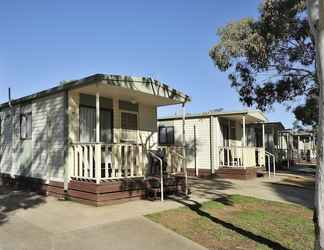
[226, 144]
[92, 138]
[299, 146]
[274, 141]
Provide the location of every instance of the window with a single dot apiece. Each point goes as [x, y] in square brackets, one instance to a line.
[129, 126]
[88, 125]
[26, 126]
[166, 135]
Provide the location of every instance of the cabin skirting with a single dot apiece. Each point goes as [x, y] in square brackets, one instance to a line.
[201, 172]
[109, 192]
[236, 173]
[22, 182]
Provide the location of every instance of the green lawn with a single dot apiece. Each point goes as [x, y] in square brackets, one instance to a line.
[240, 222]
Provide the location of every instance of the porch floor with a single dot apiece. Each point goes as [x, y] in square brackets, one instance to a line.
[238, 173]
[107, 192]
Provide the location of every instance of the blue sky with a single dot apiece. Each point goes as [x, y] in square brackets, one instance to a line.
[45, 42]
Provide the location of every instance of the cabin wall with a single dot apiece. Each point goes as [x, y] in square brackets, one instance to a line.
[42, 155]
[197, 136]
[6, 141]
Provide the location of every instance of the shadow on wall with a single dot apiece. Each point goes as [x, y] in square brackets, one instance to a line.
[11, 200]
[45, 157]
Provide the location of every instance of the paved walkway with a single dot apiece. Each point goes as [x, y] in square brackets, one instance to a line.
[29, 221]
[33, 222]
[282, 187]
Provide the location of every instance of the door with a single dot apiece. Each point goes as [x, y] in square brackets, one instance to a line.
[88, 125]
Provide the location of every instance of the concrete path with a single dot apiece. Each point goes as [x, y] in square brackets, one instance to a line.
[29, 221]
[274, 188]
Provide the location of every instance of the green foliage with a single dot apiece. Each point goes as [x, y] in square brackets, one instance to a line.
[271, 59]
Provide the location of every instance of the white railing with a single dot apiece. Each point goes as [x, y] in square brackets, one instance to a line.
[97, 161]
[241, 156]
[270, 156]
[174, 158]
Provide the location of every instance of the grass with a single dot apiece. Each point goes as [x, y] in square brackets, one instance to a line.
[241, 222]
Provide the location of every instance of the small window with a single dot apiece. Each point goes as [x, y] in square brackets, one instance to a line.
[129, 126]
[26, 126]
[166, 135]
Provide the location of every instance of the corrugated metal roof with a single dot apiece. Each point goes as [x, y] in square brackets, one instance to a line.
[113, 79]
[213, 113]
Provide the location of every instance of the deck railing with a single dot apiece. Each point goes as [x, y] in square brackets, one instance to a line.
[98, 161]
[241, 156]
[174, 158]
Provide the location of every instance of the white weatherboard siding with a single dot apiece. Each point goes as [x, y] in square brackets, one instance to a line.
[147, 125]
[43, 155]
[202, 140]
[48, 139]
[217, 140]
[6, 142]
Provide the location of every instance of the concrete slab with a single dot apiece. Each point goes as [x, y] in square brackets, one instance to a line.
[53, 224]
[272, 188]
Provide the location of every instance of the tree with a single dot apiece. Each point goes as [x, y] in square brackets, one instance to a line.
[316, 20]
[271, 59]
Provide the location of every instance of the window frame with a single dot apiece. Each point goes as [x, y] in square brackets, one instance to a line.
[28, 136]
[168, 141]
[122, 129]
[101, 109]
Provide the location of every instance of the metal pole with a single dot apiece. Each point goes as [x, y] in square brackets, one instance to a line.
[263, 143]
[269, 170]
[274, 165]
[244, 141]
[184, 147]
[162, 185]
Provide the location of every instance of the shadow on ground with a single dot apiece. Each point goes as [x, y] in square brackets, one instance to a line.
[294, 194]
[12, 199]
[209, 187]
[197, 208]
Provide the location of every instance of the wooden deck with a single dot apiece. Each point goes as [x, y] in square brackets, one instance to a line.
[108, 192]
[237, 173]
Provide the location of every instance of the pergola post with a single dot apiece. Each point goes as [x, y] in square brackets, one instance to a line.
[263, 142]
[98, 146]
[184, 162]
[244, 140]
[288, 148]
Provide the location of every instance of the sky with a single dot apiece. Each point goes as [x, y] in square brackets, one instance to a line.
[45, 42]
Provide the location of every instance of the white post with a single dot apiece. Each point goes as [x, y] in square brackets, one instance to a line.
[184, 147]
[212, 155]
[298, 149]
[274, 165]
[228, 142]
[269, 171]
[263, 142]
[98, 146]
[97, 117]
[244, 141]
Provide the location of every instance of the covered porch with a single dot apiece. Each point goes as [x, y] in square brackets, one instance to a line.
[242, 142]
[113, 137]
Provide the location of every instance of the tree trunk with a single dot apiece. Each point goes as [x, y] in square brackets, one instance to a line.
[316, 16]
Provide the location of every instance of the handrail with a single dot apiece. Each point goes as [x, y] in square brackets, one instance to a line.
[273, 161]
[161, 172]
